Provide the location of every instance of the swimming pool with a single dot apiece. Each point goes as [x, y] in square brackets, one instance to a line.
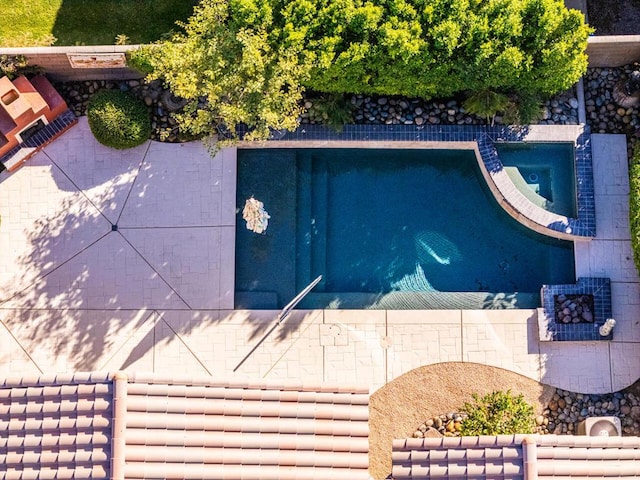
[394, 228]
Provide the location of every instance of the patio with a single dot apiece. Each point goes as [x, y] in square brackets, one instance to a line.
[124, 260]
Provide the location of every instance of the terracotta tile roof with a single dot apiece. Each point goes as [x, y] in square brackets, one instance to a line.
[147, 426]
[525, 457]
[55, 427]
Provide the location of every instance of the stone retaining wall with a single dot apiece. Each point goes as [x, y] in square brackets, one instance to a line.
[603, 51]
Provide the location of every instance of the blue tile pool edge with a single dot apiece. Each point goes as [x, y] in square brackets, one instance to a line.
[550, 330]
[536, 218]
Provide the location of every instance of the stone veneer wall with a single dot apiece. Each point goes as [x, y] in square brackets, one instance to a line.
[603, 51]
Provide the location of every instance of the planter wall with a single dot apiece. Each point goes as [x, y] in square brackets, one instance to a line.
[97, 62]
[613, 50]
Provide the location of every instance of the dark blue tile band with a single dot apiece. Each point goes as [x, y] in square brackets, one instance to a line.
[485, 136]
[600, 288]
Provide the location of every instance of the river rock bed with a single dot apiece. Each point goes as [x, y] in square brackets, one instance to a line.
[604, 115]
[447, 425]
[573, 308]
[380, 110]
[561, 416]
[159, 101]
[567, 409]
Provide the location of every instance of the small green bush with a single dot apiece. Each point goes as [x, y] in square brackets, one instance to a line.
[525, 109]
[14, 65]
[486, 103]
[10, 65]
[634, 204]
[122, 39]
[118, 119]
[498, 413]
[333, 109]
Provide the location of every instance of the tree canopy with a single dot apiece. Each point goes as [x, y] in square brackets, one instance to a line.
[247, 62]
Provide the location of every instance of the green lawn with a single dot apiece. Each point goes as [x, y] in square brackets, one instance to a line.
[634, 203]
[88, 22]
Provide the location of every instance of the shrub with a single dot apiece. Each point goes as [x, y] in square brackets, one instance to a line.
[526, 108]
[334, 110]
[15, 65]
[634, 204]
[11, 65]
[139, 59]
[118, 119]
[247, 62]
[498, 413]
[122, 39]
[438, 48]
[487, 104]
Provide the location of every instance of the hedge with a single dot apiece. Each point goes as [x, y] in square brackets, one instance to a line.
[634, 204]
[118, 119]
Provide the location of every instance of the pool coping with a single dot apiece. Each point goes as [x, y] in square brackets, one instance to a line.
[480, 139]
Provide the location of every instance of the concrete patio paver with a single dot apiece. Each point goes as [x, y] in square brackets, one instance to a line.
[577, 366]
[358, 351]
[503, 338]
[14, 358]
[45, 222]
[625, 298]
[187, 259]
[73, 340]
[624, 364]
[109, 275]
[157, 292]
[612, 216]
[178, 185]
[419, 338]
[612, 259]
[102, 174]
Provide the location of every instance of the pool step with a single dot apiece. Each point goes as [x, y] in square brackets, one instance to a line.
[303, 220]
[319, 207]
[394, 301]
[256, 301]
[421, 301]
[524, 188]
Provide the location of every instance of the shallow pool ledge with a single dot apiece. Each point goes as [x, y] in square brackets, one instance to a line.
[481, 139]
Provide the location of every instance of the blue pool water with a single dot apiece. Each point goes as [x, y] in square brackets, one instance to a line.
[386, 229]
[548, 170]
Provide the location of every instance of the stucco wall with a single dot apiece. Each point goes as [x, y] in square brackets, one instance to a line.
[55, 61]
[613, 50]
